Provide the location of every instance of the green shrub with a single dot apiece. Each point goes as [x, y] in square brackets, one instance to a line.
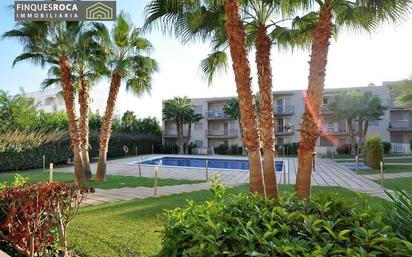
[168, 149]
[386, 147]
[373, 152]
[247, 225]
[287, 149]
[398, 213]
[235, 150]
[25, 150]
[222, 149]
[344, 149]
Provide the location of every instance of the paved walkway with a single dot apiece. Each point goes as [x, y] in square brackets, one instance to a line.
[389, 175]
[327, 173]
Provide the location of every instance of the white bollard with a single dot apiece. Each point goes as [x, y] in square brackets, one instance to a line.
[284, 171]
[44, 163]
[382, 175]
[51, 173]
[357, 164]
[155, 180]
[140, 168]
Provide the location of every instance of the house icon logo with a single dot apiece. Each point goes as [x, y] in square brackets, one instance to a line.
[99, 11]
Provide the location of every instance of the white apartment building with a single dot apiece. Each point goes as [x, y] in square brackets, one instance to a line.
[51, 100]
[217, 128]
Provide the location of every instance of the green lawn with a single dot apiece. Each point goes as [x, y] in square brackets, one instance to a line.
[398, 183]
[388, 169]
[131, 228]
[112, 180]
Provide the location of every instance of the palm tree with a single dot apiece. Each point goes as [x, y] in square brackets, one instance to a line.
[86, 71]
[51, 43]
[176, 110]
[128, 120]
[190, 118]
[123, 49]
[333, 14]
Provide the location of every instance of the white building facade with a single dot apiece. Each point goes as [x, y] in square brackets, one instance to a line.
[216, 128]
[51, 100]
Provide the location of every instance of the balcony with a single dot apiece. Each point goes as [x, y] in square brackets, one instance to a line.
[336, 132]
[216, 115]
[326, 109]
[392, 104]
[173, 133]
[400, 125]
[284, 131]
[283, 109]
[222, 133]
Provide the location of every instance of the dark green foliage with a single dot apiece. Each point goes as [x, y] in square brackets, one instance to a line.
[287, 149]
[398, 213]
[25, 150]
[235, 150]
[168, 149]
[386, 147]
[343, 149]
[222, 149]
[247, 225]
[373, 152]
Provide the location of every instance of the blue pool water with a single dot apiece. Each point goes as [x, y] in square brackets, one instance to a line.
[201, 163]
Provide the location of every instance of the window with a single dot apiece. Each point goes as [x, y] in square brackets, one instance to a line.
[373, 123]
[198, 126]
[325, 100]
[199, 143]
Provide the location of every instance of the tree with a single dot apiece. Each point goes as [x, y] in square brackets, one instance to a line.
[361, 107]
[128, 120]
[51, 43]
[123, 49]
[332, 15]
[86, 70]
[404, 90]
[176, 110]
[190, 118]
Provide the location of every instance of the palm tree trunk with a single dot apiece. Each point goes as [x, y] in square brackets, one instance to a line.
[241, 135]
[352, 136]
[309, 128]
[68, 95]
[360, 133]
[365, 129]
[178, 136]
[267, 123]
[189, 134]
[182, 136]
[84, 125]
[237, 43]
[106, 128]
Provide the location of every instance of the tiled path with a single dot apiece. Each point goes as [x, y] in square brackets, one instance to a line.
[328, 173]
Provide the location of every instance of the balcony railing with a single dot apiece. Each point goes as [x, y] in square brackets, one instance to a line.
[400, 125]
[173, 133]
[216, 115]
[285, 130]
[222, 133]
[283, 109]
[326, 109]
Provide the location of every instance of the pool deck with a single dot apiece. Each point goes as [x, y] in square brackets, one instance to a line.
[327, 173]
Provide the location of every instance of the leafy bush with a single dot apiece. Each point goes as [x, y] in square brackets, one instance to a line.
[31, 215]
[222, 149]
[373, 152]
[25, 150]
[287, 149]
[248, 225]
[398, 213]
[235, 150]
[168, 149]
[386, 147]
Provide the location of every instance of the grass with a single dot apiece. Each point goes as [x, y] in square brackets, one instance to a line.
[398, 183]
[388, 169]
[113, 181]
[131, 228]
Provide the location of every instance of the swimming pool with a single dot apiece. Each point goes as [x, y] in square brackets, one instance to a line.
[211, 162]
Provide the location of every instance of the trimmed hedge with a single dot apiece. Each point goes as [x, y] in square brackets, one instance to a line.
[25, 150]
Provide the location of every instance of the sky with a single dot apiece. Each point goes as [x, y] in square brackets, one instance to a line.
[355, 59]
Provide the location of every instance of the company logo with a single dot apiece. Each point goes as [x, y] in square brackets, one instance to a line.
[99, 11]
[64, 10]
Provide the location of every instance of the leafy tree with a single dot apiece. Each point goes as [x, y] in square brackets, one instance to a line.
[190, 118]
[148, 126]
[128, 120]
[331, 16]
[124, 50]
[51, 43]
[176, 110]
[404, 89]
